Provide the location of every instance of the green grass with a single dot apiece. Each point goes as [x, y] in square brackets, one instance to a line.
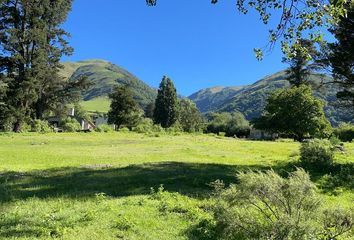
[100, 104]
[98, 186]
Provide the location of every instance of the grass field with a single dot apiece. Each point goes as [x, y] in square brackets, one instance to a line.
[98, 186]
[100, 104]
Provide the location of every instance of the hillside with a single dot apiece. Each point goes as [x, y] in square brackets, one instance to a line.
[250, 99]
[104, 76]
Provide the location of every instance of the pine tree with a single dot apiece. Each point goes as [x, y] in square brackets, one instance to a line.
[166, 105]
[124, 109]
[32, 42]
[300, 63]
[340, 56]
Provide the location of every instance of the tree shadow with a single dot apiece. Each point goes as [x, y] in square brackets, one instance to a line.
[186, 178]
[191, 179]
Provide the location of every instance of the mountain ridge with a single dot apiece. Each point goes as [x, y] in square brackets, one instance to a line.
[250, 99]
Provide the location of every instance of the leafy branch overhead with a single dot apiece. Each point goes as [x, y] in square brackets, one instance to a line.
[296, 19]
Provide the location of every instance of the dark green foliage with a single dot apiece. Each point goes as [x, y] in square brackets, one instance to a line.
[32, 44]
[41, 126]
[232, 124]
[166, 104]
[81, 113]
[124, 110]
[345, 132]
[103, 76]
[267, 206]
[104, 128]
[317, 154]
[340, 55]
[190, 118]
[300, 67]
[70, 125]
[250, 100]
[294, 112]
[149, 110]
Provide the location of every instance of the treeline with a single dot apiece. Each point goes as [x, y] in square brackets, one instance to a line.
[32, 43]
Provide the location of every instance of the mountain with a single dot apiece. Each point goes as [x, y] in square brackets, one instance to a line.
[250, 99]
[104, 76]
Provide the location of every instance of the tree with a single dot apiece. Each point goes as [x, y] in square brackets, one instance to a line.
[296, 19]
[166, 105]
[232, 124]
[340, 56]
[149, 110]
[32, 42]
[189, 116]
[124, 110]
[294, 112]
[299, 61]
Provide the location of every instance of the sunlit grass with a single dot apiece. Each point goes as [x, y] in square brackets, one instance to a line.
[97, 186]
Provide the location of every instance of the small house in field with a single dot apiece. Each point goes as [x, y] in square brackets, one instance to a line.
[86, 125]
[257, 134]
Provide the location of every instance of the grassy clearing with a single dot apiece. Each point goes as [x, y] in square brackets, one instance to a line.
[98, 186]
[99, 104]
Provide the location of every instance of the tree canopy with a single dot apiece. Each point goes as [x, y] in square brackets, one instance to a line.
[124, 110]
[32, 42]
[166, 104]
[294, 112]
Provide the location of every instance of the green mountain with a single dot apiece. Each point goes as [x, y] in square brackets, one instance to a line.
[104, 76]
[250, 99]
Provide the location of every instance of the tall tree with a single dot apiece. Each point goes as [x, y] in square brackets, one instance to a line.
[340, 56]
[189, 116]
[124, 110]
[294, 112]
[32, 42]
[300, 62]
[166, 105]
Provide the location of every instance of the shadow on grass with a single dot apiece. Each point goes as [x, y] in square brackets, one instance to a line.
[186, 178]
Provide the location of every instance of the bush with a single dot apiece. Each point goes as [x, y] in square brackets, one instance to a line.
[104, 128]
[146, 125]
[40, 126]
[70, 125]
[124, 130]
[267, 206]
[232, 124]
[345, 132]
[317, 154]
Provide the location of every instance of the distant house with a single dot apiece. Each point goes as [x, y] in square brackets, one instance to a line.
[100, 120]
[86, 125]
[257, 134]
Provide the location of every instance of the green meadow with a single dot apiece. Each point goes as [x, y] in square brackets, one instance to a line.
[105, 185]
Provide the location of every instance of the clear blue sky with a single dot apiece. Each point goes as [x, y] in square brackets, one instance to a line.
[195, 43]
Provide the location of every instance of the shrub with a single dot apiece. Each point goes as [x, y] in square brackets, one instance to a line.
[40, 126]
[70, 125]
[267, 206]
[124, 130]
[146, 125]
[232, 124]
[345, 132]
[104, 128]
[317, 154]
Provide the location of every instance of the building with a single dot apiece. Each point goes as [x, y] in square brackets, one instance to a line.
[257, 134]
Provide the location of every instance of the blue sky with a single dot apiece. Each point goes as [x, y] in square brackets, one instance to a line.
[195, 43]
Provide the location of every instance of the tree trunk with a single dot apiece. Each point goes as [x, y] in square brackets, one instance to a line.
[17, 126]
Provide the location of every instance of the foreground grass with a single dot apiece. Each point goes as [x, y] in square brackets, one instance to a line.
[98, 186]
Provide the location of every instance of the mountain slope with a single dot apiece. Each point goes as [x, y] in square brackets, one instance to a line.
[104, 76]
[251, 99]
